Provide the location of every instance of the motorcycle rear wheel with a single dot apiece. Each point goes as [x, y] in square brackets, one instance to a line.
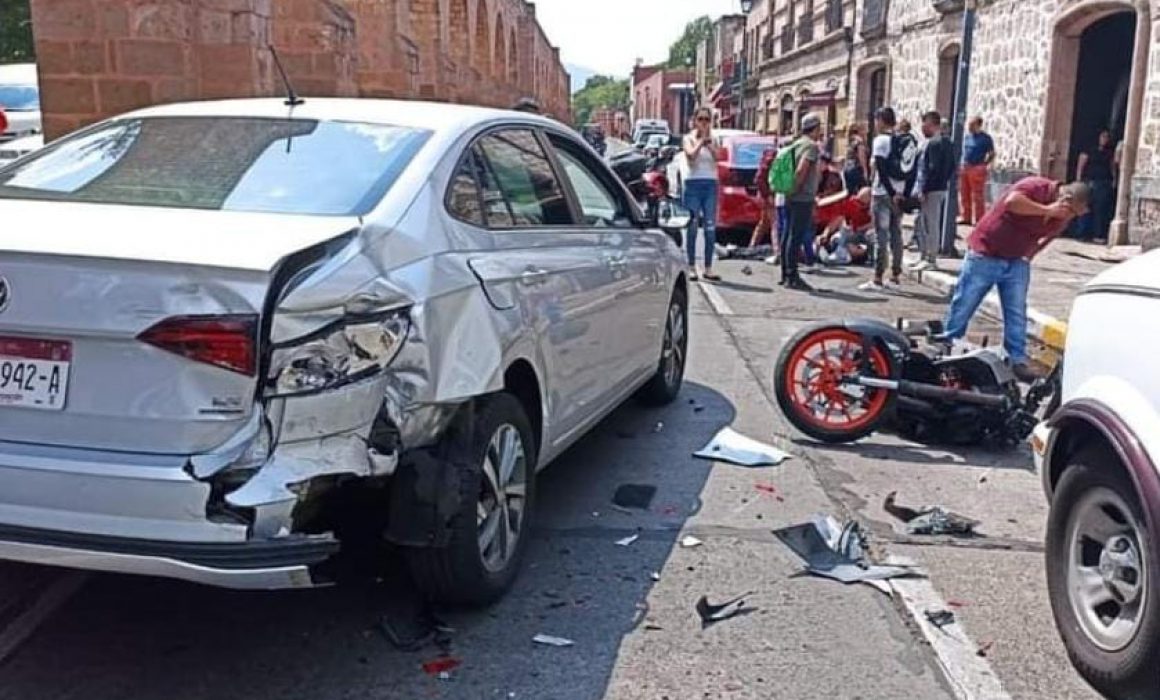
[810, 391]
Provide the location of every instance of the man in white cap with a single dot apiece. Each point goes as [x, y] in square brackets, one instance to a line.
[801, 201]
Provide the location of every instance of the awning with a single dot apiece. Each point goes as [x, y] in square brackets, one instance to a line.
[818, 99]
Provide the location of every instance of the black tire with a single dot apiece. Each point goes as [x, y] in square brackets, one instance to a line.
[457, 574]
[664, 386]
[792, 410]
[1129, 673]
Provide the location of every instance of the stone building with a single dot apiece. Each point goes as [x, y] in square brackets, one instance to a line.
[716, 71]
[102, 57]
[1046, 76]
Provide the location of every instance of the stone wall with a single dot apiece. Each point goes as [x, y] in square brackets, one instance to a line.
[103, 57]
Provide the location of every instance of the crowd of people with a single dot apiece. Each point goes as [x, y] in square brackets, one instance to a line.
[813, 211]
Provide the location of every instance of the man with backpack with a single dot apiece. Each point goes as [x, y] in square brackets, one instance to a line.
[796, 174]
[895, 171]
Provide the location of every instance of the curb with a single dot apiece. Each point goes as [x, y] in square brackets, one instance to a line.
[1042, 328]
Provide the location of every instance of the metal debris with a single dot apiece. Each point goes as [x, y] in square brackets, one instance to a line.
[730, 446]
[837, 551]
[688, 542]
[549, 640]
[711, 613]
[930, 520]
[627, 541]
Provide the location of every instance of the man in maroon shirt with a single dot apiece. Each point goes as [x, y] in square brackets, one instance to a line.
[1032, 214]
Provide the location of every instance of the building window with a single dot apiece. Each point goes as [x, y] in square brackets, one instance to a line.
[787, 38]
[806, 24]
[834, 19]
[874, 17]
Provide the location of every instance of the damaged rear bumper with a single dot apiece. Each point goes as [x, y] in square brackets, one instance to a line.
[274, 564]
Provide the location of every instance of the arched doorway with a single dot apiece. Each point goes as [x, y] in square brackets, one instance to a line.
[513, 59]
[499, 55]
[482, 59]
[802, 109]
[875, 93]
[948, 76]
[1089, 82]
[785, 121]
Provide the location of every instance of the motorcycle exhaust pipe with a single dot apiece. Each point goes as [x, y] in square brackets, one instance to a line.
[926, 391]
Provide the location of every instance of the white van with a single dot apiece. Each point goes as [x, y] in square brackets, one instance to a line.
[643, 128]
[20, 100]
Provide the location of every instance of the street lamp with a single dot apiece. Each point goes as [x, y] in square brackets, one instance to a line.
[746, 6]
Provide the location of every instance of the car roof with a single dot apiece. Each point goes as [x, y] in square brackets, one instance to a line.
[1140, 271]
[18, 74]
[436, 116]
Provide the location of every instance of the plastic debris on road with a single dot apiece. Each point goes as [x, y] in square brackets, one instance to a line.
[549, 640]
[939, 618]
[655, 576]
[837, 551]
[639, 496]
[442, 666]
[711, 613]
[730, 446]
[627, 541]
[688, 542]
[930, 520]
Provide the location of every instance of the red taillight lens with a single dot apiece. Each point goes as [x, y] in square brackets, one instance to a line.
[222, 341]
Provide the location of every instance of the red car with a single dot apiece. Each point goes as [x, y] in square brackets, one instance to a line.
[738, 204]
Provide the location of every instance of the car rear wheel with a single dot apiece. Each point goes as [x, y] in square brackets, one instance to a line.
[665, 385]
[1102, 578]
[494, 450]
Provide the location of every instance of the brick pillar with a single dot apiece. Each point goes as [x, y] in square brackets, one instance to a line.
[316, 43]
[381, 68]
[99, 58]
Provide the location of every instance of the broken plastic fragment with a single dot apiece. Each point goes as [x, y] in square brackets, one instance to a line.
[715, 613]
[655, 576]
[940, 618]
[549, 640]
[930, 520]
[627, 541]
[440, 666]
[835, 551]
[688, 541]
[730, 446]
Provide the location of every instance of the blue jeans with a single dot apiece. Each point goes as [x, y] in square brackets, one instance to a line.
[978, 276]
[701, 201]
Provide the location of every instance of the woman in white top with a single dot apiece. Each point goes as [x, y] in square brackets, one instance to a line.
[701, 190]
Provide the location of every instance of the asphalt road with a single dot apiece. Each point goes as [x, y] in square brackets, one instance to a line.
[635, 637]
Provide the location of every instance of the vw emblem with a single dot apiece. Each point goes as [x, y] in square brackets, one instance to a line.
[5, 294]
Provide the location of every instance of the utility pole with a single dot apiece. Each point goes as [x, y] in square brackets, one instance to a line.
[958, 127]
[746, 8]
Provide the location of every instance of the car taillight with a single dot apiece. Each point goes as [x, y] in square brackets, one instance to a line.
[223, 341]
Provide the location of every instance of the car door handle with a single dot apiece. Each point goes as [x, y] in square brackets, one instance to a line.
[533, 276]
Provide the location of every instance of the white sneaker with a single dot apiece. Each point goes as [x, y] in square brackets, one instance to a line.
[871, 286]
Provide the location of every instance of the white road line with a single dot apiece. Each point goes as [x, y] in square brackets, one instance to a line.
[970, 675]
[716, 300]
[51, 598]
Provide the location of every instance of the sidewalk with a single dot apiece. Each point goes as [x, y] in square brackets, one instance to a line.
[1058, 273]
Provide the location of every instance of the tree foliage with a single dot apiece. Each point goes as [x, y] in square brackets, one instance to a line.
[601, 91]
[683, 52]
[16, 32]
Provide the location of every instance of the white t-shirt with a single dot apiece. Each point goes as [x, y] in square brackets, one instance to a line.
[881, 149]
[702, 167]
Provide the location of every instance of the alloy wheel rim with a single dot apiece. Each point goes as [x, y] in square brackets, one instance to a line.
[502, 497]
[1107, 572]
[674, 348]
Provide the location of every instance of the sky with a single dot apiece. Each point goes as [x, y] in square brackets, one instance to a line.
[607, 36]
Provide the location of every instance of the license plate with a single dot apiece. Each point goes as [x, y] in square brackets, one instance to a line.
[34, 373]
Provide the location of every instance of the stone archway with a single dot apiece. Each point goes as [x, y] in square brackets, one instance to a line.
[873, 92]
[481, 59]
[786, 117]
[513, 59]
[1060, 141]
[948, 77]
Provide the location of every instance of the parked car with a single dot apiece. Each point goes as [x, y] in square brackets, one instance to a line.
[642, 128]
[20, 100]
[236, 338]
[18, 148]
[739, 155]
[1100, 459]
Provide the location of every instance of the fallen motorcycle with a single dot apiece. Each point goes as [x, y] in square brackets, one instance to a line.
[839, 382]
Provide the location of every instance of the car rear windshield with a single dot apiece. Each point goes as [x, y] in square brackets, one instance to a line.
[19, 98]
[747, 154]
[283, 166]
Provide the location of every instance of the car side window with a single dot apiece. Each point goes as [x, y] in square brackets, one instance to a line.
[516, 167]
[599, 203]
[464, 196]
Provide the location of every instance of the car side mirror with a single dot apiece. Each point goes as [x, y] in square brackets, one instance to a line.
[672, 218]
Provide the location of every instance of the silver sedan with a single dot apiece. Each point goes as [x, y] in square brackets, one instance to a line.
[237, 337]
